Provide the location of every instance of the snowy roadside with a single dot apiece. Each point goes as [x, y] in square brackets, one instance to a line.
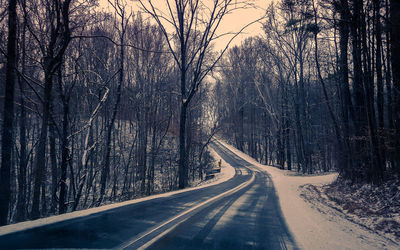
[227, 172]
[313, 224]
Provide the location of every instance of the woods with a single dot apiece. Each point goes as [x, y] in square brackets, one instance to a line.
[101, 106]
[318, 91]
[92, 111]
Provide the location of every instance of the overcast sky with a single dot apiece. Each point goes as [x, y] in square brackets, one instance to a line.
[231, 23]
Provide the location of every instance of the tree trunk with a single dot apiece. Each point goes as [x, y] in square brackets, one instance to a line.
[375, 173]
[142, 157]
[21, 202]
[54, 174]
[150, 175]
[361, 152]
[41, 148]
[288, 150]
[62, 206]
[182, 171]
[379, 77]
[345, 164]
[106, 167]
[395, 55]
[388, 76]
[8, 116]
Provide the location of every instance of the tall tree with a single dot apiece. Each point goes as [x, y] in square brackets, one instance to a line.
[194, 25]
[53, 52]
[21, 200]
[119, 8]
[395, 50]
[342, 7]
[8, 115]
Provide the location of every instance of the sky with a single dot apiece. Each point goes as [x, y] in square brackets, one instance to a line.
[231, 23]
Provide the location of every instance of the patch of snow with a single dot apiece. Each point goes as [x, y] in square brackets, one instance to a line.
[377, 208]
[311, 228]
[227, 172]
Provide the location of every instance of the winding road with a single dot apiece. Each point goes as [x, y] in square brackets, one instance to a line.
[241, 213]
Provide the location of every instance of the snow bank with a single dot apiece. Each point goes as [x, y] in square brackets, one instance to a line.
[227, 172]
[310, 226]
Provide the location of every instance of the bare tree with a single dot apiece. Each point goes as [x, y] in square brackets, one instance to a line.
[395, 49]
[120, 10]
[8, 115]
[190, 28]
[53, 52]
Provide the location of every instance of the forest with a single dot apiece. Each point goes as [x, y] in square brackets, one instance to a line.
[319, 89]
[106, 106]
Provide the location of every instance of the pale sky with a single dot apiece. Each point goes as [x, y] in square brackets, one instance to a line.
[231, 23]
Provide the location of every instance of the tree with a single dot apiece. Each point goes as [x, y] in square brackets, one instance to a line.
[121, 12]
[395, 50]
[95, 97]
[193, 25]
[21, 200]
[53, 53]
[8, 115]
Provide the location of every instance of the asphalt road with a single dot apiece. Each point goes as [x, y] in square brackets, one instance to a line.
[242, 213]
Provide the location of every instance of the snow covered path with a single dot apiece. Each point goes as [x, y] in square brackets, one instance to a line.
[315, 227]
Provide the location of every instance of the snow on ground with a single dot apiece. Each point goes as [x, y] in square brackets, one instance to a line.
[377, 208]
[314, 225]
[227, 172]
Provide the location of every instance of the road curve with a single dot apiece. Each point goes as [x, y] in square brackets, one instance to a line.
[242, 213]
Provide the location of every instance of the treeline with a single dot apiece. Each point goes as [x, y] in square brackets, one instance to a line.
[93, 112]
[319, 90]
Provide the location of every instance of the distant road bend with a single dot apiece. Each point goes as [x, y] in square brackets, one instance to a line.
[242, 213]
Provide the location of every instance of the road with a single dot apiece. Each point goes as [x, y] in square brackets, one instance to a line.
[242, 213]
